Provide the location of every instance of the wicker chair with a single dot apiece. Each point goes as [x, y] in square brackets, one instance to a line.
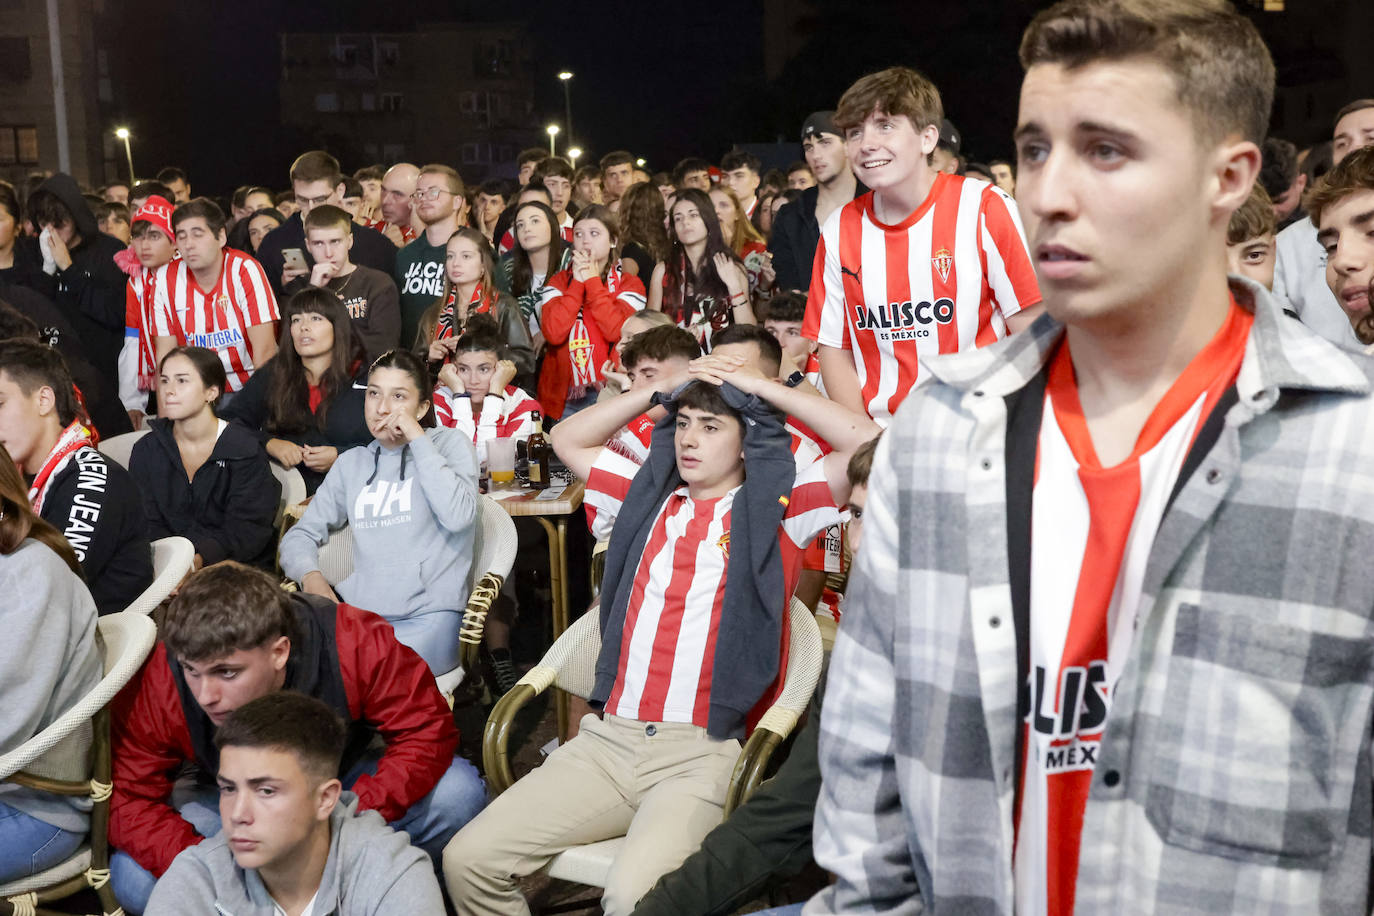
[172, 558]
[494, 554]
[119, 448]
[292, 490]
[570, 665]
[72, 757]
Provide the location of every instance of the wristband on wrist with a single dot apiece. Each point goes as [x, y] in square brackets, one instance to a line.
[795, 379]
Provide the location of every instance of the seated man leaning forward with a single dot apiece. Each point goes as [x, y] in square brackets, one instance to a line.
[698, 573]
[232, 636]
[294, 842]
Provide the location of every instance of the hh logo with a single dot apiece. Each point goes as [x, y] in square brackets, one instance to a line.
[382, 499]
[944, 263]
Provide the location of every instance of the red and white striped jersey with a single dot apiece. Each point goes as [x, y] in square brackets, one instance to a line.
[667, 652]
[944, 279]
[508, 240]
[625, 454]
[217, 319]
[1098, 526]
[826, 554]
[509, 417]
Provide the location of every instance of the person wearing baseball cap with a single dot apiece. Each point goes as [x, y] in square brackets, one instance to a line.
[797, 227]
[154, 245]
[946, 155]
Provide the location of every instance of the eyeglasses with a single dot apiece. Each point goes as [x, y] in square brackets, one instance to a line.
[430, 193]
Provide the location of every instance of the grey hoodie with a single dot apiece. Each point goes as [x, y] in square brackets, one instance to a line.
[371, 869]
[411, 511]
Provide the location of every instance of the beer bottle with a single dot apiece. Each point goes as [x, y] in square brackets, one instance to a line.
[537, 451]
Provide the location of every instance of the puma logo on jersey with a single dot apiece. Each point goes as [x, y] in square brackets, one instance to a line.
[856, 274]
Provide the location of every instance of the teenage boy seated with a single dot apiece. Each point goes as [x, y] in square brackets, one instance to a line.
[1342, 208]
[1250, 248]
[767, 839]
[370, 296]
[231, 636]
[698, 574]
[651, 359]
[90, 499]
[293, 841]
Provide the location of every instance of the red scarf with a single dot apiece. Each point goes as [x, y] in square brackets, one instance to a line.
[448, 325]
[73, 439]
[586, 375]
[147, 359]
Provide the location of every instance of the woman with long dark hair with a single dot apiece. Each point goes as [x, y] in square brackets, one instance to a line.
[744, 240]
[583, 310]
[410, 500]
[201, 477]
[306, 403]
[703, 285]
[470, 289]
[540, 252]
[48, 662]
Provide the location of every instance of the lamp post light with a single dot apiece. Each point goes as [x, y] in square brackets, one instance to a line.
[565, 77]
[552, 130]
[123, 134]
[574, 153]
[639, 163]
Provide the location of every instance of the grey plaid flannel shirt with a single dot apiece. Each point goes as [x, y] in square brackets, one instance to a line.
[1234, 774]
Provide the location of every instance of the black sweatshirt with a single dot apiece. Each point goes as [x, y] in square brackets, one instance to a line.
[96, 505]
[344, 425]
[227, 511]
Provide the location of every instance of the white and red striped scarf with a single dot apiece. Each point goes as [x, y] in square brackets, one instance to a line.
[73, 439]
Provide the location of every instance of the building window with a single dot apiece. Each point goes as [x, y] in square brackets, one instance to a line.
[327, 101]
[15, 65]
[392, 101]
[494, 58]
[345, 54]
[369, 101]
[18, 145]
[389, 52]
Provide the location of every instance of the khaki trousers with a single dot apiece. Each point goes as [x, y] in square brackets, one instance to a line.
[660, 785]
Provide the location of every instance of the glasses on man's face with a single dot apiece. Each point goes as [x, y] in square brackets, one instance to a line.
[312, 202]
[430, 193]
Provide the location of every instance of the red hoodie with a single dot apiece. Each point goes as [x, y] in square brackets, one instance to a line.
[388, 687]
[569, 306]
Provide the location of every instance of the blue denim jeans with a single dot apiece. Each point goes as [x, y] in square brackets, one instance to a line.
[431, 822]
[29, 846]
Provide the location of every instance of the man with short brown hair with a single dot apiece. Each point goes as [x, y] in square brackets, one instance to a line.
[1107, 646]
[316, 180]
[1342, 208]
[231, 635]
[957, 274]
[439, 198]
[1300, 275]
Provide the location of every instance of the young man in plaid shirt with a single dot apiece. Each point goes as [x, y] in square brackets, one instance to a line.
[1108, 646]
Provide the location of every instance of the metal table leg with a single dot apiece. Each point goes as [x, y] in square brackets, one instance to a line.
[557, 531]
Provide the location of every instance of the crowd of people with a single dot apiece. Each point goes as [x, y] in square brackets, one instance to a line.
[1098, 419]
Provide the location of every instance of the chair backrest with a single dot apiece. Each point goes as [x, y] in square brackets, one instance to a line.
[336, 556]
[60, 751]
[292, 489]
[172, 558]
[494, 542]
[119, 448]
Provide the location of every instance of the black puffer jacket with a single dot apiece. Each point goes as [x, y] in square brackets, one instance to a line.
[227, 510]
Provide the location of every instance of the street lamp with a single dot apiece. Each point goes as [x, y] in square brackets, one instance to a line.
[565, 77]
[552, 130]
[123, 134]
[574, 153]
[640, 163]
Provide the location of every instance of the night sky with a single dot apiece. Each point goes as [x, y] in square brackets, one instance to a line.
[664, 79]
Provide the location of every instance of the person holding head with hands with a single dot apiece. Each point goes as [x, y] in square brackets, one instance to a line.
[410, 499]
[475, 394]
[293, 840]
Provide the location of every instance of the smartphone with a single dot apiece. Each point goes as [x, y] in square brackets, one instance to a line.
[294, 259]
